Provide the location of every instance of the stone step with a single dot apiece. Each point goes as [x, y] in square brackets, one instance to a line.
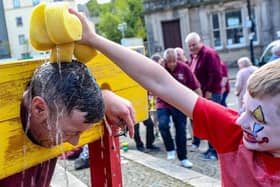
[168, 168]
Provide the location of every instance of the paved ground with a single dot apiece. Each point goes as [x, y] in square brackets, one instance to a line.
[135, 174]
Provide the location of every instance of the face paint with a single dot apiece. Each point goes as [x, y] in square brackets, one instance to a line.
[257, 128]
[258, 114]
[260, 123]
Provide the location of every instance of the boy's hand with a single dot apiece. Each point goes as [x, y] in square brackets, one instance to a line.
[88, 28]
[119, 111]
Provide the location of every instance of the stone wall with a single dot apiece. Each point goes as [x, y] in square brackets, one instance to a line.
[195, 16]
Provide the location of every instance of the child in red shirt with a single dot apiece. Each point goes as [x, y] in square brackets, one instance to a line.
[248, 145]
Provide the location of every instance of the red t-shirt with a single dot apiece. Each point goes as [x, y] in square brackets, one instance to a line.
[239, 166]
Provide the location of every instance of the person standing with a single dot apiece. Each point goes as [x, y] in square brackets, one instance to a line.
[181, 73]
[275, 53]
[225, 84]
[150, 137]
[245, 70]
[205, 63]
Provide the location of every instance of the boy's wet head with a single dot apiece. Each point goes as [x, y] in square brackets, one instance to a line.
[62, 101]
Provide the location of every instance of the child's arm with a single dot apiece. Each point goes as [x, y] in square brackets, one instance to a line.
[148, 73]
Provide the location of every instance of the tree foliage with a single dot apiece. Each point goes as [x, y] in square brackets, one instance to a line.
[116, 12]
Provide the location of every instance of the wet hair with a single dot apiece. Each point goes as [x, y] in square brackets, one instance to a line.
[265, 81]
[68, 86]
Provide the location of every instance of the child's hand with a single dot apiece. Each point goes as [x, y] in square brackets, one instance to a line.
[88, 28]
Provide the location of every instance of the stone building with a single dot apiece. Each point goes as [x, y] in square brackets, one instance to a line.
[222, 24]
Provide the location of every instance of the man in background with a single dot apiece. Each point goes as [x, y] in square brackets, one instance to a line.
[205, 63]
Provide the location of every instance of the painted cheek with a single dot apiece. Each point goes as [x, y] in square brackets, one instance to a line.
[244, 120]
[256, 129]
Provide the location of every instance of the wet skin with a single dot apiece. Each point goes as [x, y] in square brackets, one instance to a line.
[63, 128]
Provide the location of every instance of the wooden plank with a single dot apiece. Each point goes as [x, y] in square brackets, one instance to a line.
[17, 151]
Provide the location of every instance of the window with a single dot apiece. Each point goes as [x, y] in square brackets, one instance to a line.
[16, 3]
[234, 29]
[216, 30]
[35, 2]
[19, 21]
[4, 49]
[21, 39]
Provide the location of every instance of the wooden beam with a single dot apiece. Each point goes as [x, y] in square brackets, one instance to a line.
[17, 151]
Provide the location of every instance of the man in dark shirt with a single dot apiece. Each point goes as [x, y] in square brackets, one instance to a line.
[205, 63]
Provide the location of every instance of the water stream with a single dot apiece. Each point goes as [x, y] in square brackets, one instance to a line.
[59, 136]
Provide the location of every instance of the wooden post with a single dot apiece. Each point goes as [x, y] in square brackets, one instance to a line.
[105, 162]
[17, 152]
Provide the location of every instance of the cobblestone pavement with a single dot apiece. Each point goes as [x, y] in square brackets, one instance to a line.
[136, 175]
[133, 175]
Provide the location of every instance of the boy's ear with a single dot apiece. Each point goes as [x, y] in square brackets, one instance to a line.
[39, 108]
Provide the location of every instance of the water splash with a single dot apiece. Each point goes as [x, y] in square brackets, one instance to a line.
[64, 165]
[106, 181]
[47, 171]
[109, 129]
[59, 139]
[101, 139]
[107, 125]
[59, 136]
[58, 59]
[46, 56]
[24, 146]
[33, 181]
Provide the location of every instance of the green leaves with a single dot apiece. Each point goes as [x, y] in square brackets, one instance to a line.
[116, 12]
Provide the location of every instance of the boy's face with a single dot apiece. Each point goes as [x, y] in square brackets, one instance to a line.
[260, 123]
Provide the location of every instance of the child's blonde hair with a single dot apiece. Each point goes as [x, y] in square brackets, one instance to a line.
[265, 81]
